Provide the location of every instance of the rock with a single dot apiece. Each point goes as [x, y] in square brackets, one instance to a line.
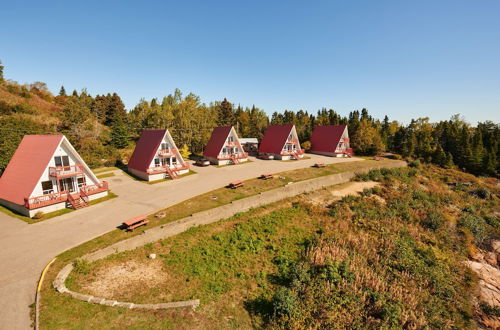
[496, 246]
[152, 256]
[161, 215]
[491, 258]
[489, 282]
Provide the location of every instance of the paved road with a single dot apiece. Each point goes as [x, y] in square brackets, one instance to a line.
[26, 249]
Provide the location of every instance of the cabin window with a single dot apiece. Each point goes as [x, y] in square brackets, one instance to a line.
[290, 136]
[174, 161]
[47, 187]
[157, 162]
[164, 146]
[61, 161]
[230, 139]
[224, 150]
[81, 182]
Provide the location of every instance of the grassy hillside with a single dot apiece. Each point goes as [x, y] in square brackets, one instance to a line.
[389, 258]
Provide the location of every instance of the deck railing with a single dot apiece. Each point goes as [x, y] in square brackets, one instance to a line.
[293, 152]
[237, 155]
[94, 188]
[64, 171]
[45, 200]
[163, 169]
[166, 152]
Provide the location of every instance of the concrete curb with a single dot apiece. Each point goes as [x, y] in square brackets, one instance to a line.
[38, 294]
[199, 219]
[60, 286]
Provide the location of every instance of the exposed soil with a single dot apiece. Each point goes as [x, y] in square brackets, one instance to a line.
[114, 280]
[330, 195]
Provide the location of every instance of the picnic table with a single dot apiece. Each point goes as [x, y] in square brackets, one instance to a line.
[236, 184]
[135, 222]
[266, 176]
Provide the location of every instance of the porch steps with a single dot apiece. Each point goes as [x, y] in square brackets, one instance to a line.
[173, 174]
[77, 202]
[234, 160]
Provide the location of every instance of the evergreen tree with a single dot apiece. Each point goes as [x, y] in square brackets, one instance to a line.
[439, 157]
[119, 134]
[62, 91]
[75, 93]
[226, 116]
[1, 71]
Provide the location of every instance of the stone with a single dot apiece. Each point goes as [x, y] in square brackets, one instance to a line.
[161, 215]
[491, 258]
[152, 256]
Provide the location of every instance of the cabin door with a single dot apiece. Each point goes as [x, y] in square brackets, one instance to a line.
[67, 184]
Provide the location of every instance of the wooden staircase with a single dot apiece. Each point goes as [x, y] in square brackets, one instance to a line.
[77, 201]
[173, 174]
[234, 160]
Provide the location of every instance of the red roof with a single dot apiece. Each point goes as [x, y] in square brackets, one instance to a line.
[27, 166]
[326, 138]
[146, 148]
[275, 138]
[217, 141]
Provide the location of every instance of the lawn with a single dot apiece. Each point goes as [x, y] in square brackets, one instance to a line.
[383, 260]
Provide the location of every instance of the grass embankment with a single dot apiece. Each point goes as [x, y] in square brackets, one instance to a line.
[391, 258]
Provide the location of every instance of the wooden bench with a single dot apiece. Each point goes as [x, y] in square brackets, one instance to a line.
[135, 222]
[318, 165]
[266, 176]
[236, 184]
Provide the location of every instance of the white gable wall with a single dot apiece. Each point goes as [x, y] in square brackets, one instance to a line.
[344, 146]
[236, 141]
[64, 149]
[167, 138]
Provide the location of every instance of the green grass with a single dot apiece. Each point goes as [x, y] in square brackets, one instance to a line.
[104, 169]
[361, 263]
[206, 201]
[105, 175]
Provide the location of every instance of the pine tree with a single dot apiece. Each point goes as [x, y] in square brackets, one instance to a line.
[226, 115]
[439, 157]
[1, 71]
[62, 91]
[75, 93]
[119, 134]
[449, 160]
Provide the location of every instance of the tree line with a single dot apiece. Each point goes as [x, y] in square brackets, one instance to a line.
[104, 132]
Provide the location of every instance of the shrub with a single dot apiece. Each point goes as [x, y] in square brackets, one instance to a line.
[38, 215]
[433, 220]
[306, 145]
[415, 163]
[476, 225]
[284, 302]
[482, 193]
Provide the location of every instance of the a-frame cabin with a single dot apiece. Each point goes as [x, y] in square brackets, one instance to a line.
[224, 147]
[156, 157]
[331, 140]
[282, 142]
[46, 174]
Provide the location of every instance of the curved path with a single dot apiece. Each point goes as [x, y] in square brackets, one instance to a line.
[26, 249]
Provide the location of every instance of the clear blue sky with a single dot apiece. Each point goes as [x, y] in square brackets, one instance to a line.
[406, 59]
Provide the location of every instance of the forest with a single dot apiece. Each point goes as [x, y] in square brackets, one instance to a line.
[104, 131]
